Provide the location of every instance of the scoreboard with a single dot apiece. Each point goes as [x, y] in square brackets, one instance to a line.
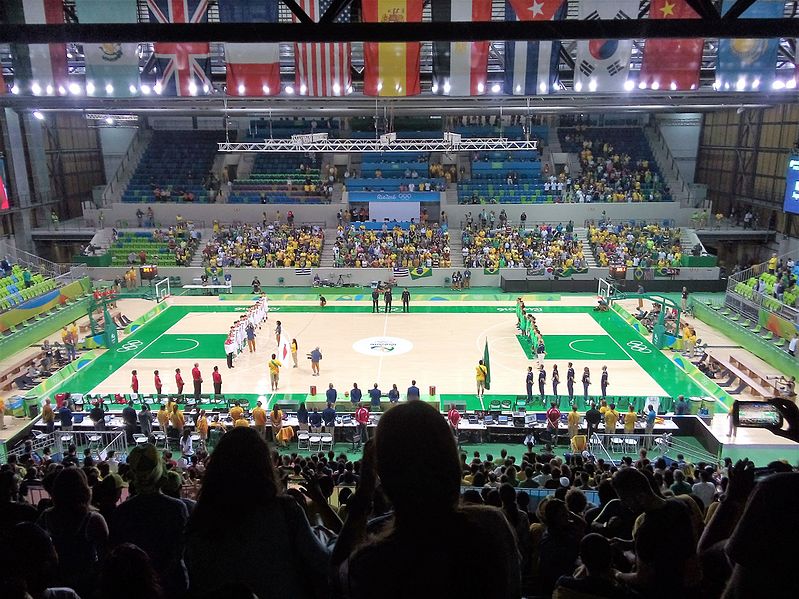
[792, 186]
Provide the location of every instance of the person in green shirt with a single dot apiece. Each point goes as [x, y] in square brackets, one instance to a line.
[680, 487]
[27, 277]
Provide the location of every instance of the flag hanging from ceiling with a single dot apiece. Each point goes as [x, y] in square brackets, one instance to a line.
[252, 69]
[746, 64]
[532, 67]
[672, 63]
[183, 68]
[38, 68]
[323, 69]
[4, 203]
[460, 68]
[602, 65]
[391, 69]
[112, 68]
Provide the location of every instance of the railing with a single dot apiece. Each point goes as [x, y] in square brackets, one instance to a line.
[758, 301]
[117, 444]
[116, 181]
[670, 157]
[666, 222]
[32, 261]
[40, 442]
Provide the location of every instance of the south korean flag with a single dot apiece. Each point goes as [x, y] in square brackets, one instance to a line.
[602, 64]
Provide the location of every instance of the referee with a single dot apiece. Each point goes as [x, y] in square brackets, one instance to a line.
[406, 299]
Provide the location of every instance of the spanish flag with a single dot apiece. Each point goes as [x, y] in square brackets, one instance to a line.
[391, 68]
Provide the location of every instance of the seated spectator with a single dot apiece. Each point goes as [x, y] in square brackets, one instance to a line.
[594, 577]
[380, 566]
[128, 573]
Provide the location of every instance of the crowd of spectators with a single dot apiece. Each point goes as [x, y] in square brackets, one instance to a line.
[542, 246]
[421, 245]
[634, 245]
[261, 524]
[268, 245]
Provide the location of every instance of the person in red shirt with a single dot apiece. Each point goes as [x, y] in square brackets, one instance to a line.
[217, 378]
[197, 378]
[362, 418]
[158, 385]
[179, 381]
[553, 419]
[134, 382]
[454, 418]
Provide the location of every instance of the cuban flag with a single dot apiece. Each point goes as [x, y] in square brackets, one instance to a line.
[183, 68]
[603, 65]
[532, 67]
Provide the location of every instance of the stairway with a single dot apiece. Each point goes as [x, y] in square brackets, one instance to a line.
[456, 247]
[116, 187]
[326, 259]
[581, 234]
[667, 165]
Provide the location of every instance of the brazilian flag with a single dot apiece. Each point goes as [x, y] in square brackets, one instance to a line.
[490, 270]
[487, 364]
[421, 273]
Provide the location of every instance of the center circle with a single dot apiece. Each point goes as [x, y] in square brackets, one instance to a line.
[382, 346]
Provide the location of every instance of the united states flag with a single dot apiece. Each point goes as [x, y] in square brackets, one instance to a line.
[323, 69]
[401, 272]
[184, 67]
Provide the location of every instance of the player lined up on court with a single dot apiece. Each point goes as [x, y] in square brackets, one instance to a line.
[542, 378]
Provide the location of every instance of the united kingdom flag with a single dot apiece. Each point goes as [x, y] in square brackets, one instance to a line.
[183, 68]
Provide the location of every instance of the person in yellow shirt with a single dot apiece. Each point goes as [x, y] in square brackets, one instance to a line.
[294, 352]
[276, 420]
[480, 373]
[48, 416]
[163, 417]
[573, 421]
[236, 411]
[177, 420]
[274, 371]
[611, 418]
[629, 421]
[603, 407]
[242, 421]
[202, 426]
[259, 418]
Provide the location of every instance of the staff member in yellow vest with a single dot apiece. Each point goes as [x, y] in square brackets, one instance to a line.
[259, 418]
[274, 371]
[480, 373]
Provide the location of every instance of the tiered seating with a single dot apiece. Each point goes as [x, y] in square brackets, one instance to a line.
[14, 292]
[505, 177]
[268, 247]
[285, 128]
[768, 285]
[177, 161]
[164, 249]
[395, 164]
[412, 248]
[542, 247]
[636, 245]
[268, 183]
[617, 164]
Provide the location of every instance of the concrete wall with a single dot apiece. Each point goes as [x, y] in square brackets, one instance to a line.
[681, 132]
[326, 213]
[115, 142]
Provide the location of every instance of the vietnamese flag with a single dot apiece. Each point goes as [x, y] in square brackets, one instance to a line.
[672, 63]
[391, 69]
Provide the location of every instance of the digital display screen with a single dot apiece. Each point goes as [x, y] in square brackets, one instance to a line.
[758, 415]
[792, 186]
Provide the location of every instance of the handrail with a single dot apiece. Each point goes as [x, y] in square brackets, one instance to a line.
[670, 157]
[32, 261]
[134, 147]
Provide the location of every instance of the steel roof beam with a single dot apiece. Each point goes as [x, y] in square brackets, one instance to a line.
[402, 32]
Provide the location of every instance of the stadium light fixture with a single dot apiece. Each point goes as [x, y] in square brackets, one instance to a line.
[629, 85]
[61, 90]
[592, 85]
[206, 88]
[740, 85]
[109, 120]
[481, 87]
[265, 89]
[790, 84]
[109, 89]
[49, 89]
[89, 88]
[132, 88]
[434, 88]
[289, 90]
[242, 89]
[379, 85]
[447, 87]
[36, 88]
[15, 89]
[542, 87]
[655, 85]
[303, 89]
[778, 84]
[336, 88]
[755, 83]
[578, 86]
[38, 115]
[495, 88]
[74, 89]
[642, 85]
[145, 89]
[157, 88]
[192, 88]
[673, 86]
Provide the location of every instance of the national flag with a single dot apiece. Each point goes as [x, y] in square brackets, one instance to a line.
[460, 68]
[532, 67]
[323, 69]
[672, 64]
[603, 64]
[487, 364]
[748, 64]
[421, 272]
[4, 204]
[401, 272]
[391, 68]
[111, 67]
[183, 68]
[252, 69]
[38, 68]
[490, 270]
[304, 272]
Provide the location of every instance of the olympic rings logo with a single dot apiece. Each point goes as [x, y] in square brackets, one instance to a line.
[505, 309]
[131, 345]
[638, 346]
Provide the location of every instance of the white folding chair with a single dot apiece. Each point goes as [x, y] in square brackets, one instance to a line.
[326, 442]
[594, 442]
[139, 439]
[95, 440]
[160, 439]
[631, 443]
[303, 440]
[617, 444]
[315, 441]
[65, 439]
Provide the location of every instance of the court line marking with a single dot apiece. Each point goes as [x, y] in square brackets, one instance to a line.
[385, 330]
[182, 351]
[590, 353]
[639, 366]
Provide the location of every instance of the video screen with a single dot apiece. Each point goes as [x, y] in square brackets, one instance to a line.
[791, 203]
[758, 415]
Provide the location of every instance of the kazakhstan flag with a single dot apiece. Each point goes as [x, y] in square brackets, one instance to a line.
[421, 272]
